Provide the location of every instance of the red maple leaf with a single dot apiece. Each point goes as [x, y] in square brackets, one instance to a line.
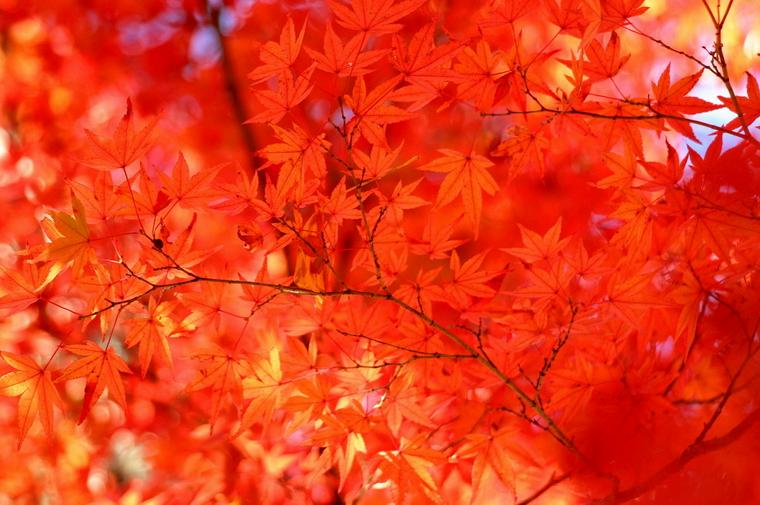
[125, 146]
[466, 175]
[373, 17]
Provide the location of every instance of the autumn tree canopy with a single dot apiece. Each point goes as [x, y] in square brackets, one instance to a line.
[379, 251]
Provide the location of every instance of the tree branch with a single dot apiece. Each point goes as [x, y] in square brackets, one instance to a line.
[233, 92]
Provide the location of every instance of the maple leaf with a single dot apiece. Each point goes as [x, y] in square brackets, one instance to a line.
[303, 276]
[478, 72]
[207, 306]
[102, 368]
[469, 280]
[749, 106]
[421, 62]
[101, 203]
[258, 294]
[344, 430]
[566, 14]
[523, 146]
[504, 12]
[401, 199]
[664, 174]
[466, 176]
[241, 195]
[106, 284]
[373, 17]
[403, 401]
[603, 62]
[436, 241]
[585, 266]
[290, 92]
[305, 152]
[311, 398]
[378, 163]
[152, 331]
[426, 68]
[547, 285]
[37, 394]
[576, 382]
[345, 60]
[627, 298]
[190, 192]
[20, 289]
[620, 11]
[147, 199]
[372, 112]
[610, 131]
[124, 147]
[672, 100]
[691, 295]
[340, 205]
[636, 211]
[279, 58]
[266, 390]
[222, 373]
[489, 452]
[626, 173]
[422, 292]
[538, 248]
[182, 250]
[409, 468]
[70, 238]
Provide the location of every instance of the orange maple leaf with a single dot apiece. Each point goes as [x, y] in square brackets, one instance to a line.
[304, 151]
[402, 198]
[37, 394]
[290, 92]
[222, 373]
[23, 287]
[147, 199]
[409, 468]
[524, 147]
[190, 192]
[125, 146]
[151, 331]
[422, 292]
[345, 60]
[70, 238]
[240, 195]
[470, 280]
[102, 368]
[278, 58]
[466, 176]
[489, 452]
[378, 163]
[436, 241]
[404, 401]
[372, 111]
[373, 17]
[266, 390]
[342, 432]
[537, 248]
[101, 203]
